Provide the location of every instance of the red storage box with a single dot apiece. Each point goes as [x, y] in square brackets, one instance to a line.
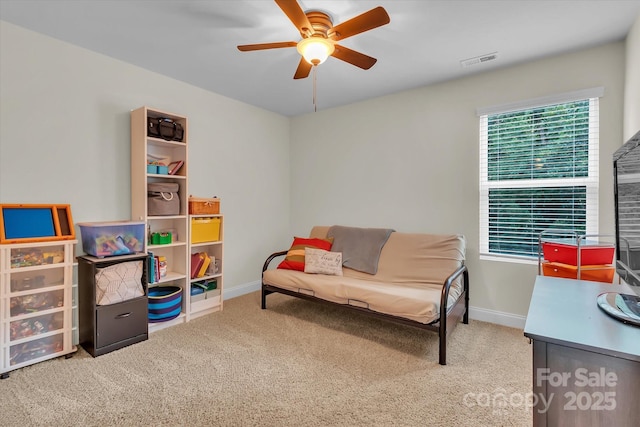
[594, 273]
[591, 253]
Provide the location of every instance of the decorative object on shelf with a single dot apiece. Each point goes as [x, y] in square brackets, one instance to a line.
[204, 206]
[163, 198]
[162, 266]
[165, 303]
[24, 223]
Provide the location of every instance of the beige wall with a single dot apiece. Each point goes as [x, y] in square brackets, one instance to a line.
[64, 138]
[409, 161]
[632, 82]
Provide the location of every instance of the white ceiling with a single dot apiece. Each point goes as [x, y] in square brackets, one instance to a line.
[195, 41]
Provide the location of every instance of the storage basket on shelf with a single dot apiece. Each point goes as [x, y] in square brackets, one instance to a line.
[204, 206]
[165, 303]
[163, 198]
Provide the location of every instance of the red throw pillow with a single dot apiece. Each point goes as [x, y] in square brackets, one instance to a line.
[295, 257]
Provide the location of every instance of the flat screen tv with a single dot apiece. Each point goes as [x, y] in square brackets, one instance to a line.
[626, 173]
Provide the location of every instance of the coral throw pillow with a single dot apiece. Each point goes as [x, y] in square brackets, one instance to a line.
[295, 257]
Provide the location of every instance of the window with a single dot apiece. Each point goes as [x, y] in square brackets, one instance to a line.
[538, 171]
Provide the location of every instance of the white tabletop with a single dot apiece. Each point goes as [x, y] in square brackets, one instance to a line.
[564, 311]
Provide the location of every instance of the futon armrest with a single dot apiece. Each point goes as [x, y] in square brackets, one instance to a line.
[271, 258]
[444, 297]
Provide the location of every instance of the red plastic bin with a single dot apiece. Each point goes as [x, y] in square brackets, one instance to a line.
[567, 253]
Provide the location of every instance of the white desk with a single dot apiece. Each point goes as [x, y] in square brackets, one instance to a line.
[586, 365]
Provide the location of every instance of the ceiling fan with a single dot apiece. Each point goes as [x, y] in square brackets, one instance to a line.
[319, 36]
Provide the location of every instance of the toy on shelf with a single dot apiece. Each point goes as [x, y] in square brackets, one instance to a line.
[25, 223]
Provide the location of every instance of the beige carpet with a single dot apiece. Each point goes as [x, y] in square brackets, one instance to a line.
[297, 363]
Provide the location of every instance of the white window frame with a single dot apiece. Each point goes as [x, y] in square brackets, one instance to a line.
[591, 182]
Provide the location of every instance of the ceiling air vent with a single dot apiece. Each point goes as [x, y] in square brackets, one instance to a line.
[479, 59]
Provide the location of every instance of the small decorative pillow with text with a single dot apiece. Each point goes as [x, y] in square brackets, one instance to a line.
[295, 257]
[323, 262]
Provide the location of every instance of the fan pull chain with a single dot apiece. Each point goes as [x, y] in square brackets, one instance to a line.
[315, 104]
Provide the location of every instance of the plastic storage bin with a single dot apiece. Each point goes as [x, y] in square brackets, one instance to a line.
[591, 253]
[103, 239]
[22, 353]
[35, 302]
[205, 230]
[594, 273]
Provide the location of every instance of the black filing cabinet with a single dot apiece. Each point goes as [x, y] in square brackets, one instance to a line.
[105, 328]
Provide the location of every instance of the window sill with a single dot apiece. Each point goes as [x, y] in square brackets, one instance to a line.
[509, 258]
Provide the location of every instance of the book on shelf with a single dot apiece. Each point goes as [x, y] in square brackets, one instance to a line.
[174, 167]
[205, 264]
[152, 270]
[196, 263]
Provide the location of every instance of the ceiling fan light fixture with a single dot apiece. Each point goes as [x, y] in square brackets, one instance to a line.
[315, 50]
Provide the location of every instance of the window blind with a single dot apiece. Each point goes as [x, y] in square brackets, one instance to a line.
[538, 171]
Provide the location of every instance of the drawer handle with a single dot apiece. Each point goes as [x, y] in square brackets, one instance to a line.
[123, 315]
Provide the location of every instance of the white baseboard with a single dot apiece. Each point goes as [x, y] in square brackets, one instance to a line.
[476, 313]
[244, 289]
[497, 317]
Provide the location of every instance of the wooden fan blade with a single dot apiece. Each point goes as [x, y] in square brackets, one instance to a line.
[262, 46]
[294, 12]
[352, 57]
[367, 21]
[304, 68]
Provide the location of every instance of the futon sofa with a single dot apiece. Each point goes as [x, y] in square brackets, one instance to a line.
[420, 280]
